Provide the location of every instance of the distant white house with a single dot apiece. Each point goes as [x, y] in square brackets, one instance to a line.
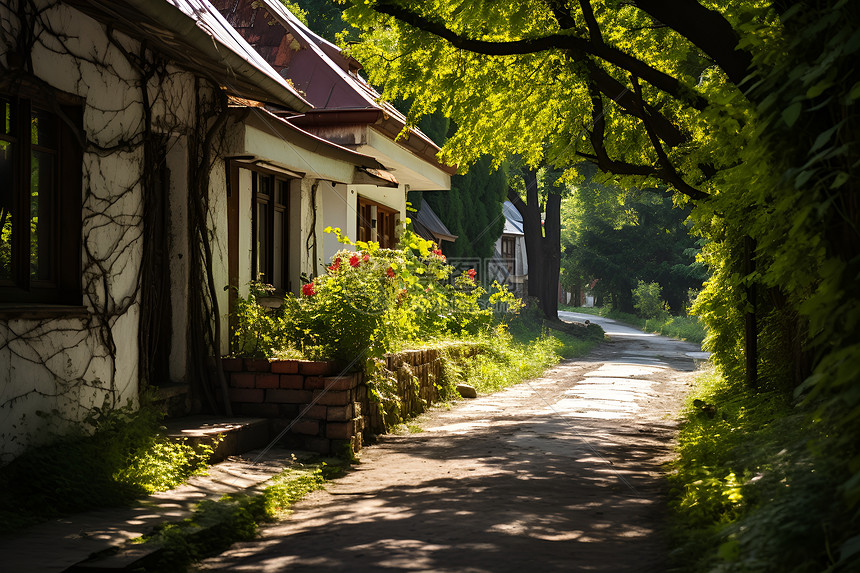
[510, 265]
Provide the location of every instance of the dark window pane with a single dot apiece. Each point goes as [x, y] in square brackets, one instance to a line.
[266, 185]
[43, 129]
[6, 207]
[278, 253]
[42, 171]
[283, 186]
[263, 243]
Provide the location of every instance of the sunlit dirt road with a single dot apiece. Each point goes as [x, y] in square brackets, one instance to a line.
[561, 473]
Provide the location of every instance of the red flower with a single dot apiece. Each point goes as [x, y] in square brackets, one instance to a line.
[335, 265]
[366, 257]
[354, 261]
[437, 252]
[390, 272]
[472, 273]
[308, 289]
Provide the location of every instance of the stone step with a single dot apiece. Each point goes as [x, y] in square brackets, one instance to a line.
[126, 558]
[240, 434]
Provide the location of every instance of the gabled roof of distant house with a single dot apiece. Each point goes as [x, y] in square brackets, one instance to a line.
[196, 37]
[326, 77]
[429, 226]
[513, 220]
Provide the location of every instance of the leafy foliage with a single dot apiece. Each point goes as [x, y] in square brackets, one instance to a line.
[621, 237]
[647, 298]
[371, 301]
[746, 484]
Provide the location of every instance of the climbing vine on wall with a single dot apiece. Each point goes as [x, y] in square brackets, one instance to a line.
[137, 107]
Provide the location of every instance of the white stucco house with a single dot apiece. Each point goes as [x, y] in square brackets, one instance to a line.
[148, 161]
[346, 111]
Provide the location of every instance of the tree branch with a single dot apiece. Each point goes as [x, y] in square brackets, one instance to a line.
[667, 171]
[579, 47]
[706, 29]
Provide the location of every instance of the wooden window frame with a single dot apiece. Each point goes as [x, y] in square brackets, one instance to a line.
[384, 223]
[273, 206]
[63, 287]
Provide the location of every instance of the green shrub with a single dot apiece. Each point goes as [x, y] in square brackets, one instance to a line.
[647, 299]
[123, 458]
[748, 493]
[371, 301]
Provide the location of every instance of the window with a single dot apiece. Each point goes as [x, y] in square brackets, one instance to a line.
[509, 253]
[377, 223]
[269, 224]
[40, 203]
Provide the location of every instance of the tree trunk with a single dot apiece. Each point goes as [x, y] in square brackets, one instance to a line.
[543, 250]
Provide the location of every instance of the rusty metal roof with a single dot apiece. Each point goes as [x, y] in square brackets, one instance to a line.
[196, 37]
[320, 71]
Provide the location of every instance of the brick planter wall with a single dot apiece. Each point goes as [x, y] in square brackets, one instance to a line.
[327, 411]
[417, 373]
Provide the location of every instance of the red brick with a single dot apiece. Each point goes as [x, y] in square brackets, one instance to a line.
[258, 410]
[306, 427]
[346, 382]
[339, 430]
[340, 413]
[317, 412]
[289, 411]
[257, 365]
[303, 426]
[289, 396]
[231, 364]
[315, 368]
[246, 395]
[242, 380]
[285, 366]
[292, 381]
[267, 380]
[332, 398]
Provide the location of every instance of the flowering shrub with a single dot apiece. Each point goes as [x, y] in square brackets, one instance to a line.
[371, 300]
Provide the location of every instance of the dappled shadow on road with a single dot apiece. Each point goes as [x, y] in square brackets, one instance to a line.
[515, 494]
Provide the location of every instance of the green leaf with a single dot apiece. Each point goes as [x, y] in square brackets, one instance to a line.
[855, 92]
[840, 180]
[823, 138]
[818, 88]
[791, 113]
[850, 548]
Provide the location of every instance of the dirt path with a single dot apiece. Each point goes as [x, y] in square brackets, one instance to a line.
[560, 473]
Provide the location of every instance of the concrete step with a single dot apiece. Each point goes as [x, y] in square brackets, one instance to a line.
[240, 434]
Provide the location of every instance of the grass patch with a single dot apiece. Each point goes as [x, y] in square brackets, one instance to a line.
[510, 357]
[748, 492]
[215, 525]
[687, 328]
